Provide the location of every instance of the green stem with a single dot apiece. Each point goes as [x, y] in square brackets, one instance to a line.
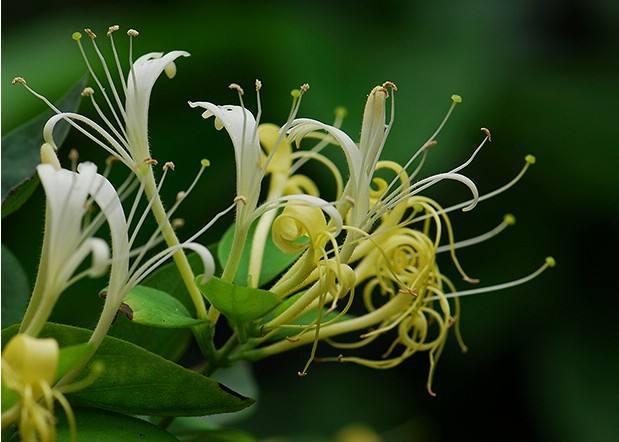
[241, 229]
[203, 333]
[180, 259]
[362, 322]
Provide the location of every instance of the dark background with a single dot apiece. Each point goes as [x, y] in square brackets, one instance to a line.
[543, 75]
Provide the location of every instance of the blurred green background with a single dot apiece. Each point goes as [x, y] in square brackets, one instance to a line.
[543, 359]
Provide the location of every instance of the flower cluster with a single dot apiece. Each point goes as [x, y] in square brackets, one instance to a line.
[365, 264]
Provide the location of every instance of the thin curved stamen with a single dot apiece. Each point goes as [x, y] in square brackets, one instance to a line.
[508, 220]
[550, 262]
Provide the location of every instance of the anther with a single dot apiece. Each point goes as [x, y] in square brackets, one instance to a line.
[88, 91]
[509, 219]
[456, 99]
[112, 29]
[486, 132]
[90, 34]
[77, 36]
[180, 195]
[550, 261]
[295, 93]
[74, 155]
[240, 199]
[169, 165]
[111, 160]
[408, 291]
[132, 33]
[304, 88]
[258, 85]
[151, 161]
[430, 144]
[390, 85]
[236, 87]
[21, 81]
[530, 159]
[177, 223]
[204, 162]
[341, 112]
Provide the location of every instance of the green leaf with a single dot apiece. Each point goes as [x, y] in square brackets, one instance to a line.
[138, 382]
[241, 379]
[100, 426]
[239, 304]
[274, 261]
[170, 343]
[152, 307]
[20, 151]
[70, 356]
[19, 195]
[15, 289]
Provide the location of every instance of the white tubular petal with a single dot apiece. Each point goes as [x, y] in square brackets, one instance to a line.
[303, 126]
[66, 193]
[140, 82]
[104, 194]
[208, 263]
[241, 126]
[306, 200]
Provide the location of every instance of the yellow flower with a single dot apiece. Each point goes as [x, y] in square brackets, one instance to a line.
[29, 367]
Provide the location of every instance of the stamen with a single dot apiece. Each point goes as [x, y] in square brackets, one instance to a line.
[508, 220]
[548, 263]
[132, 33]
[19, 81]
[119, 69]
[138, 226]
[89, 92]
[112, 29]
[169, 165]
[96, 78]
[109, 79]
[74, 156]
[259, 105]
[529, 160]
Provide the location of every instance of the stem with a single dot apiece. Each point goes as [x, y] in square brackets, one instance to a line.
[180, 259]
[241, 229]
[389, 309]
[203, 333]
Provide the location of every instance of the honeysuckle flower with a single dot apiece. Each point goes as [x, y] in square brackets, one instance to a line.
[67, 242]
[123, 129]
[394, 237]
[29, 368]
[65, 246]
[251, 168]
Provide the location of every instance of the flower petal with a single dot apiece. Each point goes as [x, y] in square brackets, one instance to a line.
[140, 82]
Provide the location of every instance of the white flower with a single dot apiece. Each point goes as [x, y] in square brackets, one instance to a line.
[67, 243]
[65, 246]
[123, 127]
[241, 127]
